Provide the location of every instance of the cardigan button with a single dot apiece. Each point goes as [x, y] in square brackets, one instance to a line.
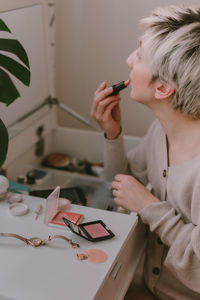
[164, 173]
[156, 271]
[159, 241]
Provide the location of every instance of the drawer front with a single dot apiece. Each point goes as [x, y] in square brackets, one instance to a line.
[120, 276]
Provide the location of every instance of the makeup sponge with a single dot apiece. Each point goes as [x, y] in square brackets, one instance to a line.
[63, 203]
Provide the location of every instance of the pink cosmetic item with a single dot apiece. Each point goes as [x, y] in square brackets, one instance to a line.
[75, 218]
[63, 203]
[94, 256]
[54, 216]
[92, 231]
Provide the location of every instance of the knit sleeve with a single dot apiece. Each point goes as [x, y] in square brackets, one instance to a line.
[116, 160]
[183, 240]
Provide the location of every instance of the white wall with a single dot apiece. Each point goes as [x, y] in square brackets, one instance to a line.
[93, 39]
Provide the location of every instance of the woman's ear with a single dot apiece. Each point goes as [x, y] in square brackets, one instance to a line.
[163, 90]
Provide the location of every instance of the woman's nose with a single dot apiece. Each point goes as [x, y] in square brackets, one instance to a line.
[130, 59]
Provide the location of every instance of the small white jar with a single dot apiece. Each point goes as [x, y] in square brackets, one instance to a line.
[4, 187]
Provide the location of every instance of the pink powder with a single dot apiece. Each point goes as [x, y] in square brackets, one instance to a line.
[95, 256]
[96, 230]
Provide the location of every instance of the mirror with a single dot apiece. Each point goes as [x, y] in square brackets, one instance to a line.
[27, 25]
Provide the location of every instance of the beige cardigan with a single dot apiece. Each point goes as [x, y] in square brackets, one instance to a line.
[172, 268]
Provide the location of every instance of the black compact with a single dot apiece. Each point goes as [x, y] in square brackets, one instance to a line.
[94, 231]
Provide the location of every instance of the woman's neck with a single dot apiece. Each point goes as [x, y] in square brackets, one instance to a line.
[182, 134]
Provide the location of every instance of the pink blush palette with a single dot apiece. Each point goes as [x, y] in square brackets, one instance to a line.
[92, 231]
[96, 230]
[73, 217]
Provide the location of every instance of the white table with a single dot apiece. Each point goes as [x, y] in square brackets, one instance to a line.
[52, 271]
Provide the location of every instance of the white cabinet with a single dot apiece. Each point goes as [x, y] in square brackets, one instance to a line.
[66, 278]
[51, 271]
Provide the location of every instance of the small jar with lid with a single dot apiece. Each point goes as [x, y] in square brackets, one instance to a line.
[4, 187]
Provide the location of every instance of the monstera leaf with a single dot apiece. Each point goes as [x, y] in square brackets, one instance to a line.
[8, 90]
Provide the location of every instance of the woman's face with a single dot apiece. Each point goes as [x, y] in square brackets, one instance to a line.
[140, 78]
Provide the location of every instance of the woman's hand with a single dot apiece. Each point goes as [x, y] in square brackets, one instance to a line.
[129, 193]
[106, 111]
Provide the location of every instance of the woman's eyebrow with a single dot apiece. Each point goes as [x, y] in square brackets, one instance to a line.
[140, 43]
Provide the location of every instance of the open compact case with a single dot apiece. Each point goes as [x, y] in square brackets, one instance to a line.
[94, 231]
[54, 211]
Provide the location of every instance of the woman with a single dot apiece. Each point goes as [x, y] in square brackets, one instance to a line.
[164, 76]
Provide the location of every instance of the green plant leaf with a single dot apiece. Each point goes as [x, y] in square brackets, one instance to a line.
[8, 91]
[15, 68]
[3, 142]
[16, 48]
[3, 26]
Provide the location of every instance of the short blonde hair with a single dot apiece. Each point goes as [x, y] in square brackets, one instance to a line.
[171, 49]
